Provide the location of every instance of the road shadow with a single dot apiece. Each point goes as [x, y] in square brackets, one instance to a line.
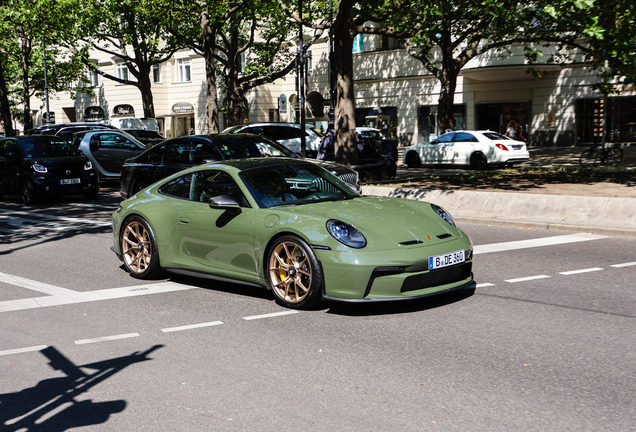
[51, 405]
[400, 306]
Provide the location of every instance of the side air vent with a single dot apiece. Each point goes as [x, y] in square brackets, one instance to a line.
[443, 236]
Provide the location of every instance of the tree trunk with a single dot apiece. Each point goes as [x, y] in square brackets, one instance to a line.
[25, 52]
[5, 116]
[209, 36]
[145, 86]
[445, 115]
[346, 149]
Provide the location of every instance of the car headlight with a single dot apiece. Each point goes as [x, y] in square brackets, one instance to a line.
[37, 167]
[443, 214]
[88, 166]
[346, 234]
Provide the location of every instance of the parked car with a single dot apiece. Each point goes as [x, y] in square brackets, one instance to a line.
[147, 137]
[66, 130]
[176, 154]
[289, 226]
[107, 150]
[39, 165]
[374, 138]
[287, 134]
[477, 149]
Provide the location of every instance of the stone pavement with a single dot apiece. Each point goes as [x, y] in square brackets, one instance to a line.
[600, 215]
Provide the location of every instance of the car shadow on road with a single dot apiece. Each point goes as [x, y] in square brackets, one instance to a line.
[55, 404]
[401, 306]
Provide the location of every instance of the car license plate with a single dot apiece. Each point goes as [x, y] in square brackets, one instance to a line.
[446, 260]
[70, 181]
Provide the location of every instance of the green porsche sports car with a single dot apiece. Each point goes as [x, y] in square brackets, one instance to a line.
[294, 228]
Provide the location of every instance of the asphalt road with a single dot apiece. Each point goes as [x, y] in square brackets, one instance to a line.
[545, 342]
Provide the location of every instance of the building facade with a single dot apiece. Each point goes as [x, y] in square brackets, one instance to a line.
[393, 91]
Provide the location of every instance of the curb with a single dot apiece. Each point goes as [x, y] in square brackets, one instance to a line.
[599, 215]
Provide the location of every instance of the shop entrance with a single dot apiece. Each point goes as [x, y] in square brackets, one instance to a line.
[497, 116]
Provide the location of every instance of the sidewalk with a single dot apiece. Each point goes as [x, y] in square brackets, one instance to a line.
[600, 215]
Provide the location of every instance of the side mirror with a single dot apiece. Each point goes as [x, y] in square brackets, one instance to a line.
[224, 202]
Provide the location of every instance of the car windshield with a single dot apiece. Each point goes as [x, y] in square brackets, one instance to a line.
[42, 146]
[294, 184]
[239, 147]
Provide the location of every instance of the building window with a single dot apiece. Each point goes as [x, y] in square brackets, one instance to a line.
[156, 73]
[390, 43]
[184, 70]
[308, 61]
[93, 77]
[358, 43]
[122, 71]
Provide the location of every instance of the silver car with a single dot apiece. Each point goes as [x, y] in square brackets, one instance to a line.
[287, 134]
[107, 150]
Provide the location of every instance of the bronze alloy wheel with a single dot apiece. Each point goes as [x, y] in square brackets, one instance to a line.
[138, 248]
[294, 275]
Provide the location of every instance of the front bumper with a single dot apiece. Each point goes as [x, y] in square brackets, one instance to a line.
[371, 276]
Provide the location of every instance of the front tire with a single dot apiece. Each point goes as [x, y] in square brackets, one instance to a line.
[614, 156]
[293, 273]
[413, 160]
[28, 193]
[139, 249]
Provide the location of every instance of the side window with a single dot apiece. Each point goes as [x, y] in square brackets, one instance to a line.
[177, 151]
[210, 184]
[444, 138]
[464, 137]
[178, 188]
[201, 151]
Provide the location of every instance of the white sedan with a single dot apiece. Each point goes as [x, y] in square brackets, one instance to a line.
[478, 149]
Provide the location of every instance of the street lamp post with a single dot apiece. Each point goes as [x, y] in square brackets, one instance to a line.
[301, 80]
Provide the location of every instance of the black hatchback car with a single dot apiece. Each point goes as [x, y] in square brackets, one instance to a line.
[38, 165]
[177, 154]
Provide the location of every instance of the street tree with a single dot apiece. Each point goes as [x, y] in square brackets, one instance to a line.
[133, 32]
[345, 21]
[27, 37]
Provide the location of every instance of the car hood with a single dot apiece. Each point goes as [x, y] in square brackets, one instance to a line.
[332, 167]
[387, 222]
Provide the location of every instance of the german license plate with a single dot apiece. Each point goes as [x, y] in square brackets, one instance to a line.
[446, 260]
[70, 181]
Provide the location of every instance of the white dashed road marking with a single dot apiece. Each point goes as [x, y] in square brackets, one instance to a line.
[271, 315]
[545, 241]
[23, 350]
[624, 264]
[588, 270]
[106, 338]
[529, 278]
[191, 326]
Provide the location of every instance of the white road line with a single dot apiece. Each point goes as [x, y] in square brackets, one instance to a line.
[192, 326]
[34, 285]
[106, 338]
[624, 264]
[271, 315]
[88, 296]
[61, 218]
[485, 284]
[23, 350]
[525, 279]
[545, 241]
[587, 270]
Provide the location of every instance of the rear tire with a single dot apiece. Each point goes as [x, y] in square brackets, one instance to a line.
[478, 161]
[413, 160]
